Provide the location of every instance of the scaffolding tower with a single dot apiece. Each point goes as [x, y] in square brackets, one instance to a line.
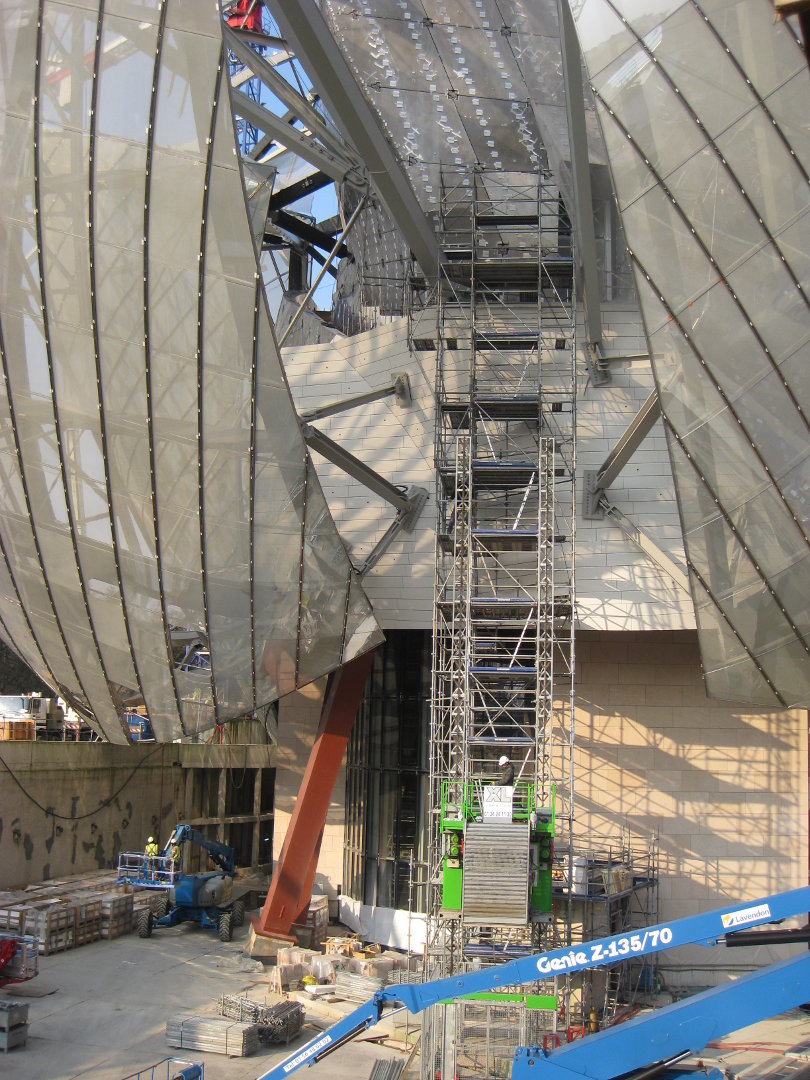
[503, 633]
[613, 889]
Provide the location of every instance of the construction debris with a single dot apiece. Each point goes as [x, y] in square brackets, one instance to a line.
[277, 1023]
[354, 987]
[286, 977]
[63, 914]
[214, 1034]
[386, 1070]
[351, 946]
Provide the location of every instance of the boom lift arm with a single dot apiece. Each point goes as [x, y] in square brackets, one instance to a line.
[787, 986]
[221, 854]
[674, 1032]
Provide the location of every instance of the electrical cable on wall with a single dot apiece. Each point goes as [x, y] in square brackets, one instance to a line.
[90, 813]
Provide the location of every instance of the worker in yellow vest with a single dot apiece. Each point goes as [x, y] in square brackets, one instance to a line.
[151, 851]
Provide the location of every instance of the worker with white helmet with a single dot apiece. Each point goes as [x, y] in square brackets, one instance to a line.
[151, 851]
[506, 771]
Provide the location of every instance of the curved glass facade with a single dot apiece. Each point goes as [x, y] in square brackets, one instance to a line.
[703, 108]
[163, 536]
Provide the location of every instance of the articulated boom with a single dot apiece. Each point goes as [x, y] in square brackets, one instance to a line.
[667, 1034]
[221, 854]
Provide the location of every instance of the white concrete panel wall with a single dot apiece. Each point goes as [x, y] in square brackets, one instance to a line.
[618, 586]
[721, 788]
[396, 442]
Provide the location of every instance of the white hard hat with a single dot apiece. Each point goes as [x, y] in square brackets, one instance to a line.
[503, 760]
[150, 840]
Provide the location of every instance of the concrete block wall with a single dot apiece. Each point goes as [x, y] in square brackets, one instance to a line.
[71, 808]
[723, 787]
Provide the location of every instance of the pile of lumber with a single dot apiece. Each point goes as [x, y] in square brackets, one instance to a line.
[215, 1034]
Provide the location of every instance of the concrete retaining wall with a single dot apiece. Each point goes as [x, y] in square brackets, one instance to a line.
[67, 808]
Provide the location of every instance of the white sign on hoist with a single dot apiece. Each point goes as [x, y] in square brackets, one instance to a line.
[497, 803]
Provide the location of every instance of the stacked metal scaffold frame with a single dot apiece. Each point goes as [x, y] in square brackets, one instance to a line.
[615, 891]
[503, 635]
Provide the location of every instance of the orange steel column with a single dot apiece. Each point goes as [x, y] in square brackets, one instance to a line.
[291, 886]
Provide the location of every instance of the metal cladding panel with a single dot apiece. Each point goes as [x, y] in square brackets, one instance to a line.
[703, 110]
[496, 873]
[163, 536]
[460, 85]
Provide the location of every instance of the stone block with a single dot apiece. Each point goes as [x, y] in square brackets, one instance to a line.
[264, 946]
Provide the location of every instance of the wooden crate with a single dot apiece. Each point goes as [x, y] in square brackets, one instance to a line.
[13, 917]
[87, 910]
[53, 923]
[13, 730]
[116, 914]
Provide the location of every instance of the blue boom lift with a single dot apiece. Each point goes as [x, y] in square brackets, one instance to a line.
[205, 898]
[658, 1040]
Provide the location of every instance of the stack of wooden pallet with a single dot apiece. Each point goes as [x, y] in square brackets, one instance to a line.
[312, 933]
[116, 913]
[68, 912]
[214, 1034]
[12, 917]
[53, 922]
[15, 729]
[86, 917]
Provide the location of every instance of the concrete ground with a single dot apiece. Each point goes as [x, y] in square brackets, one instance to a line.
[100, 1011]
[778, 1049]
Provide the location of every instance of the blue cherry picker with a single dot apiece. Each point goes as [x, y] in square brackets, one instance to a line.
[655, 1042]
[204, 898]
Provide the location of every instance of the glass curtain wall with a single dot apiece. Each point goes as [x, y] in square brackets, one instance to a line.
[164, 539]
[703, 108]
[386, 776]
